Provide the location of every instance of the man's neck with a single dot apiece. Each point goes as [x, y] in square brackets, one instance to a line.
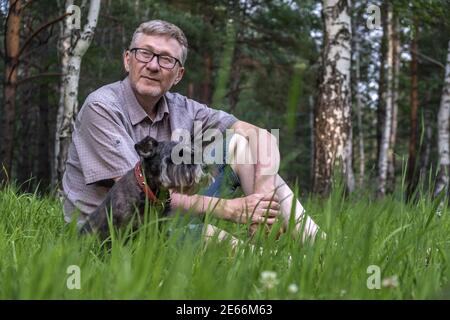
[150, 105]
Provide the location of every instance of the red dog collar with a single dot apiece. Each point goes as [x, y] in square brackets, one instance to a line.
[141, 181]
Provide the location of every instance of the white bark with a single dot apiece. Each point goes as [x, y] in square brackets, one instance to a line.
[443, 131]
[333, 116]
[387, 125]
[395, 42]
[63, 49]
[349, 174]
[362, 158]
[75, 46]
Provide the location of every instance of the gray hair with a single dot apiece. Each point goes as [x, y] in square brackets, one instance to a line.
[161, 27]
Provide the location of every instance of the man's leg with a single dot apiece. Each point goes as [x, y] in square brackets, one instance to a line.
[238, 157]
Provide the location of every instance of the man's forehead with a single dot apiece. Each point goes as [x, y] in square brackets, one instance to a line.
[159, 44]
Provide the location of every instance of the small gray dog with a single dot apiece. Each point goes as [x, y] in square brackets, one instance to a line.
[155, 173]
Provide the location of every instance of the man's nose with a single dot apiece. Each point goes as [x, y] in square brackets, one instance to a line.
[153, 64]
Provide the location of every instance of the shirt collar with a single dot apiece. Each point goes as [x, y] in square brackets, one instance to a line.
[135, 110]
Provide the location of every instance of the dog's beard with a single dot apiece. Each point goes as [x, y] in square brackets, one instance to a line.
[183, 178]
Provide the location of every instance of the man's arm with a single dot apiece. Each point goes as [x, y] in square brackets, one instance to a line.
[264, 149]
[255, 207]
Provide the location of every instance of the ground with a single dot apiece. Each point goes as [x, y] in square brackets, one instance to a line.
[375, 249]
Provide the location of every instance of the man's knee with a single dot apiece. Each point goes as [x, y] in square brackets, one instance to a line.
[239, 152]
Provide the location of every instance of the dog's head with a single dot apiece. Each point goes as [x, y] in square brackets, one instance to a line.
[171, 164]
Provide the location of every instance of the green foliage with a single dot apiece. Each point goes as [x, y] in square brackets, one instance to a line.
[410, 242]
[252, 72]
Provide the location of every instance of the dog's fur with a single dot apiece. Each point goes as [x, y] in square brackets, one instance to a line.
[126, 195]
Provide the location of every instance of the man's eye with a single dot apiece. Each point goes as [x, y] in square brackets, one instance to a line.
[166, 59]
[146, 54]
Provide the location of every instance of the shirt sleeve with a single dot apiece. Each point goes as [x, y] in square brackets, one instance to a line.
[104, 147]
[211, 118]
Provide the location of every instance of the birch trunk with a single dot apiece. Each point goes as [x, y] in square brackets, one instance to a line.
[383, 156]
[64, 43]
[425, 151]
[69, 90]
[411, 170]
[12, 49]
[390, 183]
[332, 123]
[312, 143]
[362, 158]
[381, 112]
[443, 132]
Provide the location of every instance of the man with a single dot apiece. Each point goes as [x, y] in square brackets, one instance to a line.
[116, 116]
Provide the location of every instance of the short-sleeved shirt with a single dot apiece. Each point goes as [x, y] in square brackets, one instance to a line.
[109, 124]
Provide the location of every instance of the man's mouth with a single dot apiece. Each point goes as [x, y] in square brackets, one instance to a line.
[150, 79]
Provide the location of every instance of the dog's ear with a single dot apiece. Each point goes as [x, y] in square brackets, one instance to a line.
[146, 148]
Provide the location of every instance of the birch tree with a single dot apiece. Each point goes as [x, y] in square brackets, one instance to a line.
[383, 156]
[358, 105]
[74, 45]
[395, 42]
[332, 123]
[443, 132]
[411, 170]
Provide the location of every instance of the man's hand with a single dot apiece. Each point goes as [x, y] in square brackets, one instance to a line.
[254, 208]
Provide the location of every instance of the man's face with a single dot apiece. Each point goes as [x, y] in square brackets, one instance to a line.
[149, 80]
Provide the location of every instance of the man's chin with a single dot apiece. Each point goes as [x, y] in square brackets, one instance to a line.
[149, 91]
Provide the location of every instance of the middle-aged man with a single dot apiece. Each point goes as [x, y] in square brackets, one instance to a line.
[116, 116]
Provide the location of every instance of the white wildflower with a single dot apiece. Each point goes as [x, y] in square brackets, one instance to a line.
[390, 282]
[293, 288]
[268, 279]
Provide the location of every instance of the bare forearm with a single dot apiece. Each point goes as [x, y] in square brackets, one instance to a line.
[199, 204]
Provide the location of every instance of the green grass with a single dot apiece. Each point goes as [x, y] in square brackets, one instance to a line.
[410, 242]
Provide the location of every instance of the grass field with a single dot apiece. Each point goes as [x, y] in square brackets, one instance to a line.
[408, 244]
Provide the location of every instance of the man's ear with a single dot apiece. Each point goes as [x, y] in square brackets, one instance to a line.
[126, 60]
[146, 148]
[179, 75]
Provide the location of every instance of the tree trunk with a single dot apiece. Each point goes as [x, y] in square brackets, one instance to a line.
[12, 50]
[207, 81]
[390, 183]
[312, 143]
[362, 158]
[64, 43]
[332, 123]
[381, 108]
[443, 132]
[425, 149]
[43, 167]
[348, 170]
[70, 83]
[383, 159]
[411, 170]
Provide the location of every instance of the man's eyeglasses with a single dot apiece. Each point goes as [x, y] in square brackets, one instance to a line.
[164, 61]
